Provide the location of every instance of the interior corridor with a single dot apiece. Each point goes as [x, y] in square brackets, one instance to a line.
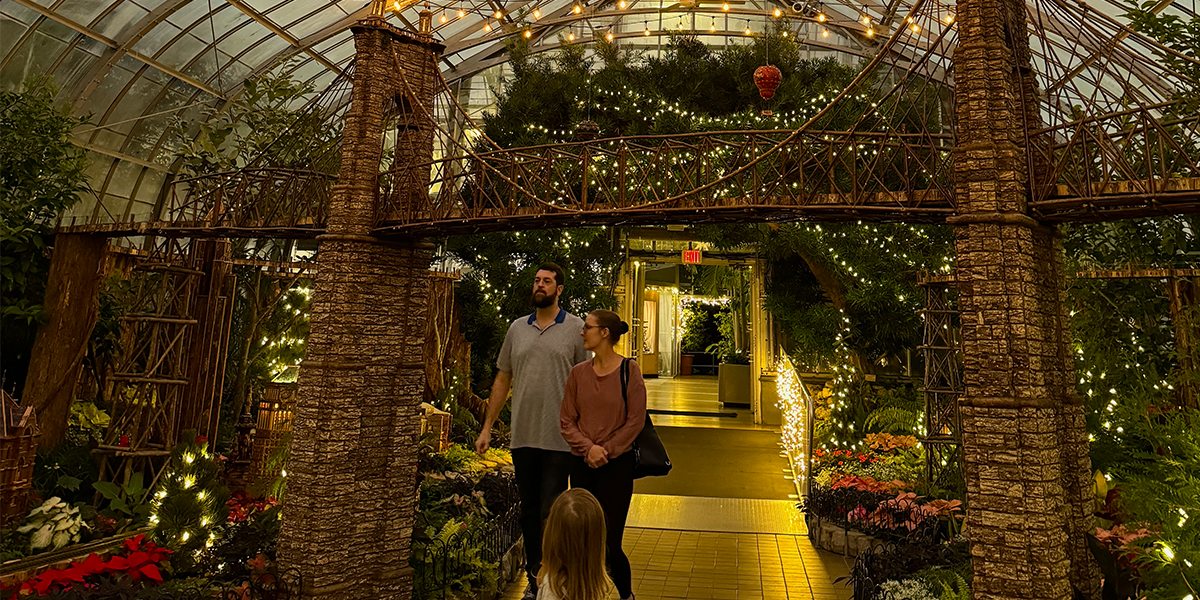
[724, 523]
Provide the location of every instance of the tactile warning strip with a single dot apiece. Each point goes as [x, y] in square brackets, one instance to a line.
[729, 515]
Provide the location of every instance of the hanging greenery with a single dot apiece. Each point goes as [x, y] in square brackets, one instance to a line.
[845, 287]
[690, 87]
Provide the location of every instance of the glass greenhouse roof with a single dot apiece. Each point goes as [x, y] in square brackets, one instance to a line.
[135, 65]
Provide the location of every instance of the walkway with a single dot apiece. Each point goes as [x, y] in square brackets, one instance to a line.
[724, 524]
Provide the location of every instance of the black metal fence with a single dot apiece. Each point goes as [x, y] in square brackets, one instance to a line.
[467, 563]
[897, 560]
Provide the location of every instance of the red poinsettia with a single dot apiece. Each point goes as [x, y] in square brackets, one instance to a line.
[138, 558]
[241, 507]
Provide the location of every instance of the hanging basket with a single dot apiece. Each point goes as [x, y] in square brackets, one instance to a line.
[19, 433]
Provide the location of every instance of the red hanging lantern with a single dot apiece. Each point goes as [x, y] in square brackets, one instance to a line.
[767, 79]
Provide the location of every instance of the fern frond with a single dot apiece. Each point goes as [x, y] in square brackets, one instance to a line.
[893, 419]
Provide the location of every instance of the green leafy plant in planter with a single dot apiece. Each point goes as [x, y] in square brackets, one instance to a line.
[52, 525]
[726, 348]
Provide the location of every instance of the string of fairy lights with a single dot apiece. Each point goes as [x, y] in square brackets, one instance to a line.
[496, 18]
[795, 406]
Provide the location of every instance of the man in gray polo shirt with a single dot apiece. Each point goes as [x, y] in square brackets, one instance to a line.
[535, 360]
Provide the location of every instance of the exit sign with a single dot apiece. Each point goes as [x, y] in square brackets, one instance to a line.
[691, 257]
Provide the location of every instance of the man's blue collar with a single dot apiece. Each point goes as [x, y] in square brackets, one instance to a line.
[562, 316]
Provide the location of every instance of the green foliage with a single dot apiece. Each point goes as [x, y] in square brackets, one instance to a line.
[52, 525]
[947, 583]
[1181, 36]
[1127, 368]
[498, 281]
[239, 543]
[898, 410]
[726, 348]
[1153, 457]
[851, 407]
[189, 504]
[268, 122]
[690, 87]
[453, 543]
[276, 486]
[88, 419]
[41, 174]
[836, 288]
[128, 503]
[67, 471]
[700, 328]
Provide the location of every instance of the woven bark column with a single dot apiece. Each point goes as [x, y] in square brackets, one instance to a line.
[349, 510]
[1024, 442]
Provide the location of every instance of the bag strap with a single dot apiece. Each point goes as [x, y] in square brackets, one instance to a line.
[625, 383]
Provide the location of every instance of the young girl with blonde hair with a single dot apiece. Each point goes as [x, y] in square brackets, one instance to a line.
[573, 546]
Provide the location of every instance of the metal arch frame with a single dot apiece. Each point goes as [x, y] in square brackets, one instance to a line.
[87, 31]
[474, 68]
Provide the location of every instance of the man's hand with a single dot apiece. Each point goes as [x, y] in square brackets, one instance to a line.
[483, 442]
[596, 457]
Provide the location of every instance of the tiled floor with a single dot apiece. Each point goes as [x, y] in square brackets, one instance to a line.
[744, 566]
[694, 394]
[687, 546]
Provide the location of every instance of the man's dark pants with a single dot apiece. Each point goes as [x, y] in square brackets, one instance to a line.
[541, 476]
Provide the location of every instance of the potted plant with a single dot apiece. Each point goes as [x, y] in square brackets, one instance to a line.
[733, 372]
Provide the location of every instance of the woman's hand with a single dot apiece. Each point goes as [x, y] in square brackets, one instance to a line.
[596, 457]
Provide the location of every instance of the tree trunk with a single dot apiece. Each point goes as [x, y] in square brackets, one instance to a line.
[836, 292]
[828, 280]
[241, 383]
[72, 302]
[1182, 292]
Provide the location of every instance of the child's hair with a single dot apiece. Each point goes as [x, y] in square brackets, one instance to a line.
[573, 548]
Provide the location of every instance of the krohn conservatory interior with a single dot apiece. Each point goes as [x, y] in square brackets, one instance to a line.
[583, 299]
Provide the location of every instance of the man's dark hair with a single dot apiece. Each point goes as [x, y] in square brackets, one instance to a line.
[560, 278]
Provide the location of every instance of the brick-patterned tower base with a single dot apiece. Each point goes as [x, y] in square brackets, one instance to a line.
[1025, 448]
[350, 500]
[351, 497]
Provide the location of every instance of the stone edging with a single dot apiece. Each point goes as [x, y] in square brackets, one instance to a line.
[828, 536]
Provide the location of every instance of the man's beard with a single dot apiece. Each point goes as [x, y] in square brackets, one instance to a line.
[543, 301]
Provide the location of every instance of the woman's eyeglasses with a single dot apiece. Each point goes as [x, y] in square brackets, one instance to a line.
[587, 327]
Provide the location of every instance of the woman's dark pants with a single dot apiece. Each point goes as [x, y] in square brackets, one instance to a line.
[612, 485]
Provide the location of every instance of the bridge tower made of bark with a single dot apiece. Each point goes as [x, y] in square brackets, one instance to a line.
[351, 500]
[1025, 446]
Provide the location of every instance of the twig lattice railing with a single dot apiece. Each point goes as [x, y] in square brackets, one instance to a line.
[839, 174]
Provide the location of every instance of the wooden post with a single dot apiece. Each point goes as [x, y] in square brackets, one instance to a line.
[72, 303]
[1182, 292]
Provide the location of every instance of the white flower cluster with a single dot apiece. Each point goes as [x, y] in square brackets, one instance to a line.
[907, 589]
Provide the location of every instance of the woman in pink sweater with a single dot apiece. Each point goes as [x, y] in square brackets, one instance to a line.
[601, 425]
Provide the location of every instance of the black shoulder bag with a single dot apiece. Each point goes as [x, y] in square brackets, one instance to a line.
[649, 456]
